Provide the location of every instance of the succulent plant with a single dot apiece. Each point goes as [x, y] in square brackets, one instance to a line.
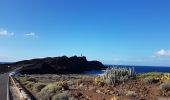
[117, 75]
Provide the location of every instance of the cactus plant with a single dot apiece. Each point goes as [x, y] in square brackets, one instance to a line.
[117, 75]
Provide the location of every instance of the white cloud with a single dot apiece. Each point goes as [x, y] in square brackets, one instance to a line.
[31, 34]
[4, 32]
[163, 53]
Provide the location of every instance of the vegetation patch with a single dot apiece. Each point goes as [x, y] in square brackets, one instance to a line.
[151, 79]
[30, 85]
[37, 87]
[51, 89]
[150, 74]
[99, 81]
[165, 86]
[64, 96]
[82, 87]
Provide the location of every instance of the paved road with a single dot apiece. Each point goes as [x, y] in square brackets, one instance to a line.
[3, 86]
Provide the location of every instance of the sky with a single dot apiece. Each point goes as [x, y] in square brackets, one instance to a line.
[130, 32]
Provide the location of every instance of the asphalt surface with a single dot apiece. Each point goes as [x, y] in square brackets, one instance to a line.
[3, 86]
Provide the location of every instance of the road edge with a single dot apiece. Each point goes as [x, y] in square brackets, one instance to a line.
[8, 88]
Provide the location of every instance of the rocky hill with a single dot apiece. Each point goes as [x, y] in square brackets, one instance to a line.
[58, 65]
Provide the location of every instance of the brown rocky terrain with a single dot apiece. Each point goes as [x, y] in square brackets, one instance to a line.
[83, 87]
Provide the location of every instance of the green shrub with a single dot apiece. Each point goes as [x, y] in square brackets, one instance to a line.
[153, 74]
[51, 89]
[60, 96]
[165, 86]
[63, 96]
[38, 87]
[25, 79]
[47, 92]
[150, 79]
[22, 79]
[70, 83]
[72, 98]
[63, 85]
[30, 85]
[99, 81]
[25, 83]
[31, 79]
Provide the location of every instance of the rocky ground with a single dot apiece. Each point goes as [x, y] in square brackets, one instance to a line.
[83, 87]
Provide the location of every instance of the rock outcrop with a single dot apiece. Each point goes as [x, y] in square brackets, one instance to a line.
[58, 65]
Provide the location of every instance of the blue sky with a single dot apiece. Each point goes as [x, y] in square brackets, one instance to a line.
[133, 32]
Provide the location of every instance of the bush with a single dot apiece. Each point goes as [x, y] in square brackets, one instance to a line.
[153, 74]
[47, 92]
[26, 80]
[63, 85]
[31, 79]
[99, 81]
[131, 94]
[150, 79]
[63, 96]
[69, 83]
[38, 87]
[72, 98]
[22, 79]
[51, 89]
[60, 96]
[30, 85]
[118, 75]
[165, 86]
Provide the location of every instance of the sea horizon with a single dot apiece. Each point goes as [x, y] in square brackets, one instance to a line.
[137, 65]
[138, 69]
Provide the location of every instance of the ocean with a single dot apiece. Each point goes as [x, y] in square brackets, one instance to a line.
[144, 69]
[5, 62]
[138, 69]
